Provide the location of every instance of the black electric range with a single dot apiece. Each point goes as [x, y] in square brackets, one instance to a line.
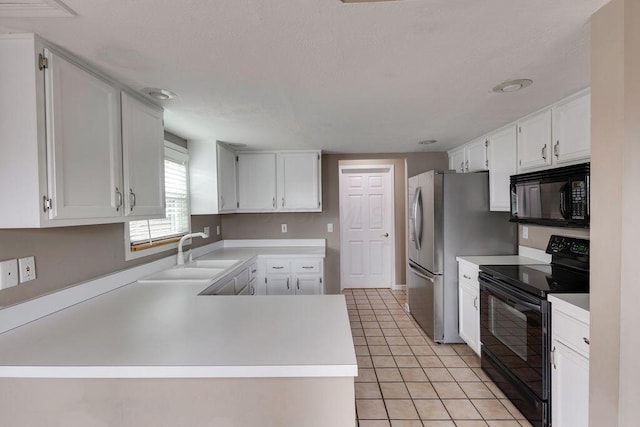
[515, 322]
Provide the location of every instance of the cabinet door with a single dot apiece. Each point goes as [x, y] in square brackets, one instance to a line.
[242, 280]
[502, 164]
[298, 181]
[569, 387]
[227, 288]
[572, 131]
[476, 156]
[469, 321]
[308, 284]
[83, 143]
[278, 284]
[534, 141]
[143, 159]
[456, 160]
[257, 181]
[227, 195]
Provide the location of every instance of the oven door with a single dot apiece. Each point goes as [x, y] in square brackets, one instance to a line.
[514, 329]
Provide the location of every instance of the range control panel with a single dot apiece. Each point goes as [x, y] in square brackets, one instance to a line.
[570, 247]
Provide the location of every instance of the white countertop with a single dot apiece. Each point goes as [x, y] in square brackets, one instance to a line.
[167, 330]
[575, 304]
[499, 260]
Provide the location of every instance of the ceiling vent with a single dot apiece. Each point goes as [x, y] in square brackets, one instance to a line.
[34, 9]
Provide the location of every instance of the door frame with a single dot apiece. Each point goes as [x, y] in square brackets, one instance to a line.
[388, 168]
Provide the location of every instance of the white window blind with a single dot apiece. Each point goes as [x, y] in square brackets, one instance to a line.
[143, 234]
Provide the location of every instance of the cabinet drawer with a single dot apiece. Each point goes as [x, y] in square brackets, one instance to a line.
[277, 266]
[228, 288]
[307, 266]
[570, 331]
[253, 271]
[468, 274]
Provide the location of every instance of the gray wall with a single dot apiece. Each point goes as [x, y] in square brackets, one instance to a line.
[68, 255]
[314, 225]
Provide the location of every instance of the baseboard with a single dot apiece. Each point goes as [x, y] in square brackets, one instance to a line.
[398, 287]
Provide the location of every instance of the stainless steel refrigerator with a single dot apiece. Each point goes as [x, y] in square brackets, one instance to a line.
[449, 216]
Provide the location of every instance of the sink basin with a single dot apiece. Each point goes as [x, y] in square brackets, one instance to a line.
[215, 263]
[184, 273]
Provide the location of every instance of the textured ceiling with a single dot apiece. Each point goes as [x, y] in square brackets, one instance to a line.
[364, 77]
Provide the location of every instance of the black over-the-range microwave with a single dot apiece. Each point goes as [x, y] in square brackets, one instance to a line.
[555, 197]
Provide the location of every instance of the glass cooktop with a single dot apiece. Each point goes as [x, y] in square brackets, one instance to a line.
[541, 279]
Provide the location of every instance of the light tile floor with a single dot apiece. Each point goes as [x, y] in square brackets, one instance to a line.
[406, 380]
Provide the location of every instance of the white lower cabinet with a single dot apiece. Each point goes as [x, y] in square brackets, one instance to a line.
[469, 305]
[284, 276]
[569, 365]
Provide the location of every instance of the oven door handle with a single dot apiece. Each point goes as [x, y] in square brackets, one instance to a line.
[511, 299]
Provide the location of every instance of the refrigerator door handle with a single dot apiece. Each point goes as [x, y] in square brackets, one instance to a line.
[417, 235]
[417, 273]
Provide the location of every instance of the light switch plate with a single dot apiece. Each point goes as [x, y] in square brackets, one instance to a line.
[330, 227]
[8, 273]
[525, 232]
[27, 267]
[284, 228]
[217, 230]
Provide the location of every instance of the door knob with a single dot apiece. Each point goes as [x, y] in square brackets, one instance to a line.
[385, 235]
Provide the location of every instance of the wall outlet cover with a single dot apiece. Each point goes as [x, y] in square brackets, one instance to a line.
[284, 228]
[330, 227]
[207, 231]
[217, 230]
[27, 267]
[525, 232]
[8, 273]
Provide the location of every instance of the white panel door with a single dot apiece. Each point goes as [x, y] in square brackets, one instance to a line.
[366, 228]
[257, 181]
[83, 143]
[534, 141]
[476, 156]
[502, 164]
[227, 194]
[572, 131]
[456, 160]
[143, 159]
[298, 181]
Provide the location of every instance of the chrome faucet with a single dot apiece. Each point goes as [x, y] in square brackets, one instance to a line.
[181, 242]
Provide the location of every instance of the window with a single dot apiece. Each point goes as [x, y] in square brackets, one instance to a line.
[156, 235]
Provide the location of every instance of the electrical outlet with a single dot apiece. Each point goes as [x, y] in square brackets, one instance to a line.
[330, 228]
[217, 230]
[27, 269]
[525, 232]
[8, 273]
[207, 230]
[284, 228]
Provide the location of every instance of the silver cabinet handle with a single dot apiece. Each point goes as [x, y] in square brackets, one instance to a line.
[120, 200]
[544, 152]
[467, 165]
[586, 340]
[556, 149]
[277, 267]
[221, 202]
[283, 202]
[462, 167]
[288, 283]
[298, 283]
[466, 277]
[307, 267]
[273, 203]
[475, 302]
[132, 199]
[253, 271]
[552, 359]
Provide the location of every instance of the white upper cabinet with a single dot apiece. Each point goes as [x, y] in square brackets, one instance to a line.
[572, 130]
[83, 142]
[61, 156]
[227, 194]
[534, 142]
[257, 182]
[299, 187]
[143, 159]
[501, 147]
[203, 177]
[476, 156]
[457, 159]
